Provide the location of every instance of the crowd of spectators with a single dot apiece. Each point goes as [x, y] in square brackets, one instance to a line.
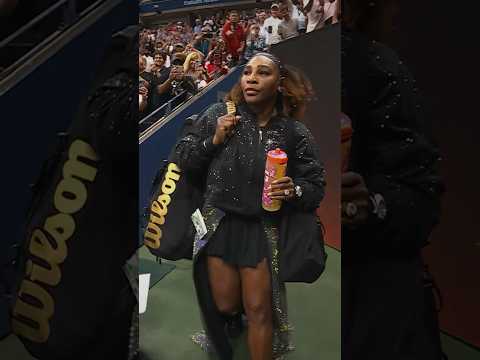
[179, 60]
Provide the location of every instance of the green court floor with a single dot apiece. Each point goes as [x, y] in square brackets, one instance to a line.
[12, 349]
[172, 316]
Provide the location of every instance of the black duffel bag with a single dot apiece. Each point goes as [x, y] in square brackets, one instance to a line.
[168, 228]
[302, 246]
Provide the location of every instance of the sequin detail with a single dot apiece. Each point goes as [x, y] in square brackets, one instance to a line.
[282, 343]
[200, 338]
[234, 181]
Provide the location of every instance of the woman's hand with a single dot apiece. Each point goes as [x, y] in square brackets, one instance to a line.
[282, 189]
[225, 125]
[355, 200]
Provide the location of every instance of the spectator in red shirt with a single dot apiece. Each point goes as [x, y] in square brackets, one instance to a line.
[216, 61]
[234, 35]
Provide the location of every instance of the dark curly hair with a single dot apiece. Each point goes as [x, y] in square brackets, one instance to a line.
[297, 90]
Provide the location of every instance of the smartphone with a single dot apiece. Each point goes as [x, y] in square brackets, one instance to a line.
[270, 29]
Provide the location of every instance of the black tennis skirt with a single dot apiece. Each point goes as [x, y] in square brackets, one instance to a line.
[241, 241]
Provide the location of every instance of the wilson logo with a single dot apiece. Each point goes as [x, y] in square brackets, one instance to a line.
[159, 207]
[47, 248]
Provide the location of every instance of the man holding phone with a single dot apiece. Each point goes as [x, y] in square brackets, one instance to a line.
[271, 26]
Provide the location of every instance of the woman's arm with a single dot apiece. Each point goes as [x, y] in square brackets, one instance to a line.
[195, 149]
[401, 164]
[308, 171]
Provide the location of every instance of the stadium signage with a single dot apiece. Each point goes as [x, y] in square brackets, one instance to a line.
[176, 5]
[48, 249]
[198, 2]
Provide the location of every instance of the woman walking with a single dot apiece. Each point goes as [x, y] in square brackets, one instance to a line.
[236, 264]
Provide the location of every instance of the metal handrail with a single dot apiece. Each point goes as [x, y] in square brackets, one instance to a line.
[169, 104]
[15, 72]
[32, 22]
[144, 135]
[159, 109]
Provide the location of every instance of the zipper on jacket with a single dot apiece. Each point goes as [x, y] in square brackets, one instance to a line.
[253, 179]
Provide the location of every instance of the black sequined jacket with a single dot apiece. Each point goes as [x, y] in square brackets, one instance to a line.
[234, 171]
[384, 305]
[390, 149]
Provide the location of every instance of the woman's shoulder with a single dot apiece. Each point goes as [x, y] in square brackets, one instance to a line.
[374, 64]
[215, 110]
[298, 128]
[384, 59]
[296, 124]
[302, 132]
[381, 60]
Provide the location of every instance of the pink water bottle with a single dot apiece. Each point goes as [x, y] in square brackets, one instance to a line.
[275, 168]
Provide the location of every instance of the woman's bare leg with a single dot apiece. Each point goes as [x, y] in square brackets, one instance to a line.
[257, 301]
[225, 284]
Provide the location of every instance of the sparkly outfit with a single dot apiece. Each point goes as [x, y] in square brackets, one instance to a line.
[238, 229]
[383, 315]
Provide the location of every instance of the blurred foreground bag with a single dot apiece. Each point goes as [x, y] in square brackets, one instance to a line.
[73, 299]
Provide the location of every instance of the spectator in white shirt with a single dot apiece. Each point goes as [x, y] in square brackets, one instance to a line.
[320, 12]
[331, 10]
[297, 13]
[271, 26]
[198, 26]
[288, 28]
[314, 10]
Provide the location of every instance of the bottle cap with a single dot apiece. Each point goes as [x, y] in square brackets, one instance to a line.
[278, 156]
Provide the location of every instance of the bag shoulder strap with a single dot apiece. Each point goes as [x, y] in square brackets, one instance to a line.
[290, 143]
[291, 146]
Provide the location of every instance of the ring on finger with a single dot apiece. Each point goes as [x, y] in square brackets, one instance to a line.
[351, 210]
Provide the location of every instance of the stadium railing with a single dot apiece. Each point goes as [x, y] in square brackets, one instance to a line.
[162, 111]
[24, 44]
